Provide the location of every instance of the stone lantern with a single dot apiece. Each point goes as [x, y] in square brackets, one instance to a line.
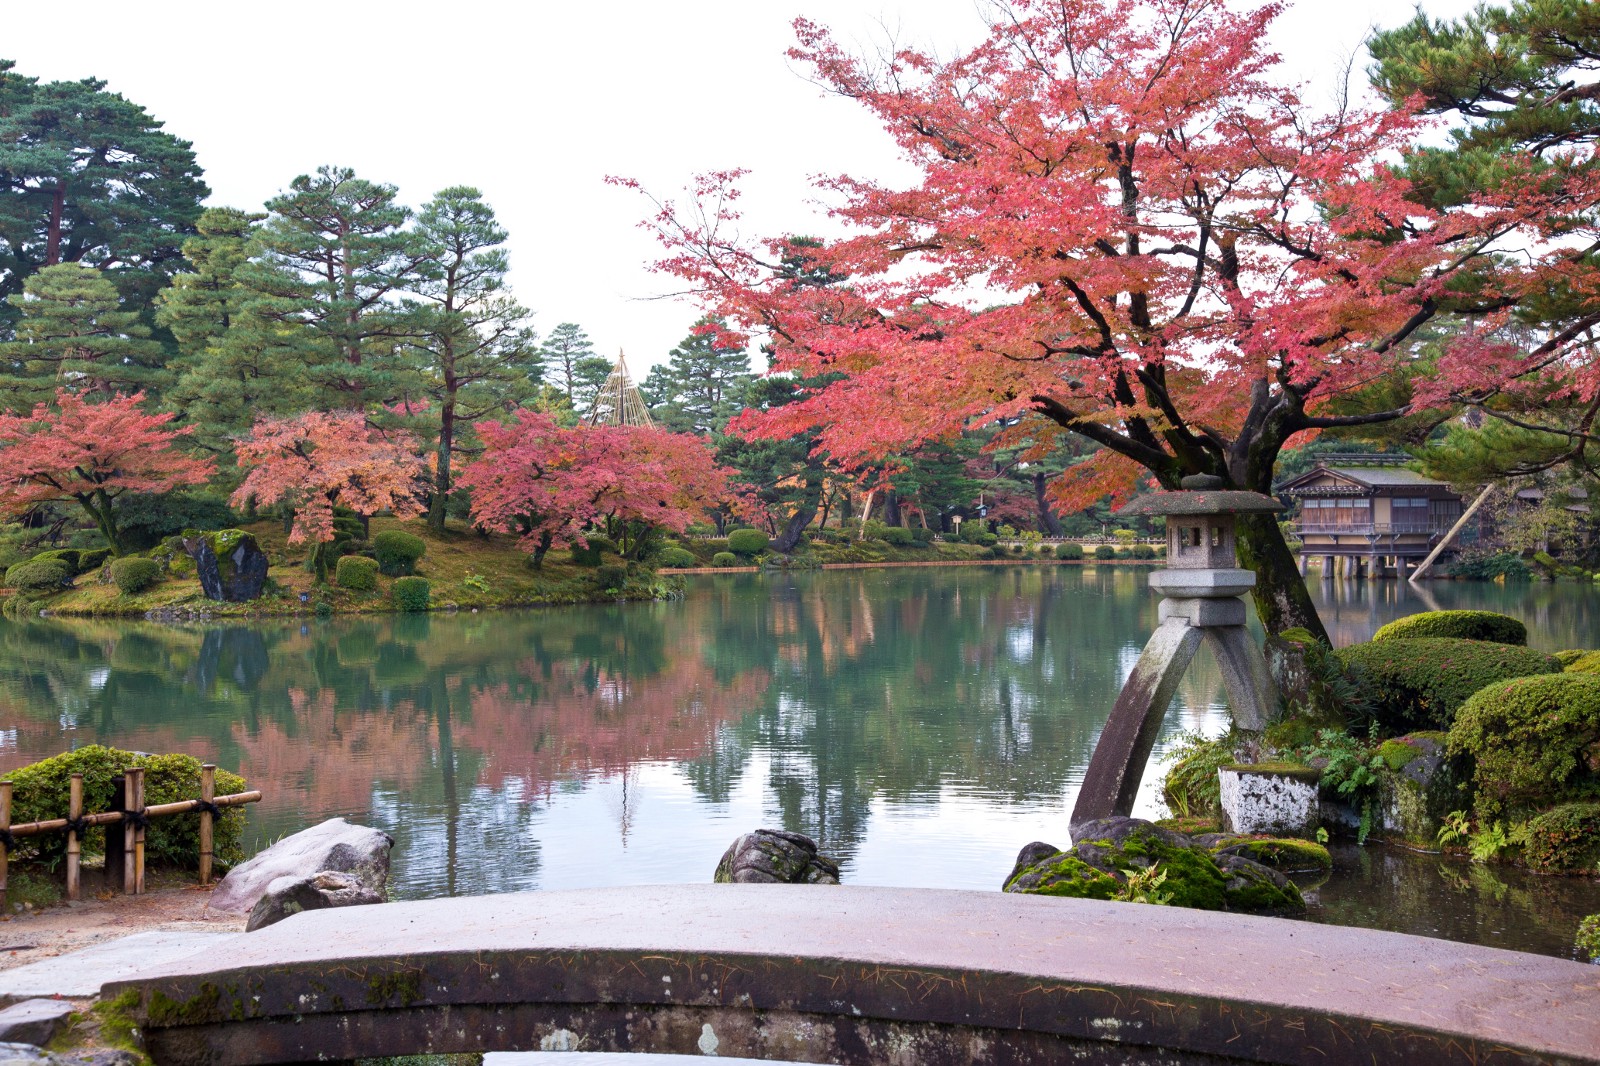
[1201, 591]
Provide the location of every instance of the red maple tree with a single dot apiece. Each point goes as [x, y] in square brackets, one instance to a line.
[1126, 226]
[550, 483]
[89, 453]
[321, 460]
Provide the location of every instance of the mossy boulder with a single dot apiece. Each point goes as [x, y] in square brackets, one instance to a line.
[1534, 742]
[1045, 870]
[1421, 683]
[1419, 784]
[230, 564]
[775, 856]
[1463, 625]
[1285, 855]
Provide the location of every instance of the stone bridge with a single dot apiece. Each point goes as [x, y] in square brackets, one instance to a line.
[855, 976]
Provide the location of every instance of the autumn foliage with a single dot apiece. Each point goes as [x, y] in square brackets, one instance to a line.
[1127, 225]
[91, 453]
[549, 483]
[320, 460]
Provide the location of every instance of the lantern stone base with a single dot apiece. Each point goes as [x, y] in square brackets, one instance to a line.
[1281, 801]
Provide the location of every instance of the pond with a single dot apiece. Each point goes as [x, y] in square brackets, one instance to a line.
[924, 724]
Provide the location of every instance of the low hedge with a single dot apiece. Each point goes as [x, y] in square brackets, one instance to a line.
[1534, 742]
[134, 575]
[76, 560]
[675, 558]
[38, 577]
[748, 542]
[412, 593]
[397, 552]
[357, 573]
[1416, 684]
[1069, 551]
[1463, 625]
[40, 791]
[1564, 840]
[724, 559]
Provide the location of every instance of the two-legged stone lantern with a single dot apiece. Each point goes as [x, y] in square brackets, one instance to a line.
[1202, 590]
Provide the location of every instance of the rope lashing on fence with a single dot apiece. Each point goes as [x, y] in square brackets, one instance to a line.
[7, 841]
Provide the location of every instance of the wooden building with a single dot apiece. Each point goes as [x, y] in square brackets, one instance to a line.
[1369, 515]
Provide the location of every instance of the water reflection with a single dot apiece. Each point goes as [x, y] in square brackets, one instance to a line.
[922, 724]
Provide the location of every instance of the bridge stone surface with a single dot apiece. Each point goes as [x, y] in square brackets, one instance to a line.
[856, 975]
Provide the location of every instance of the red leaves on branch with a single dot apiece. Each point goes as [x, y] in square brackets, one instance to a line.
[319, 460]
[537, 478]
[81, 448]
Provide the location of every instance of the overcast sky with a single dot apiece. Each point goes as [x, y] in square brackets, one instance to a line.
[535, 102]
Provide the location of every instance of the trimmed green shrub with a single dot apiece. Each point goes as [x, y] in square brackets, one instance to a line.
[899, 536]
[921, 536]
[41, 791]
[76, 560]
[38, 577]
[1587, 663]
[357, 573]
[610, 578]
[748, 542]
[134, 575]
[676, 558]
[603, 544]
[975, 532]
[1565, 840]
[1069, 551]
[412, 593]
[586, 555]
[1534, 742]
[1420, 683]
[1462, 625]
[397, 552]
[1104, 551]
[1587, 939]
[1143, 551]
[724, 559]
[1570, 656]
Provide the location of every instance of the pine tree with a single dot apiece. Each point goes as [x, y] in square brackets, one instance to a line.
[569, 363]
[336, 256]
[703, 382]
[477, 350]
[89, 177]
[72, 333]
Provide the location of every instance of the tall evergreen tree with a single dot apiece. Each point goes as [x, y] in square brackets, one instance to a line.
[570, 364]
[72, 333]
[89, 177]
[703, 382]
[336, 257]
[477, 350]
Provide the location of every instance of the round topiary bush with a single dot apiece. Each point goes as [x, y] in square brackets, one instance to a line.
[40, 792]
[724, 559]
[1462, 625]
[1564, 840]
[748, 542]
[1143, 551]
[1534, 742]
[1414, 684]
[1069, 551]
[357, 573]
[397, 552]
[37, 577]
[1104, 551]
[899, 536]
[676, 558]
[134, 575]
[412, 593]
[921, 536]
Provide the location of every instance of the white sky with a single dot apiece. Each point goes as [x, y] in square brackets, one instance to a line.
[535, 102]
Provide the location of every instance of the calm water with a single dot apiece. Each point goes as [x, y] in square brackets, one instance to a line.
[923, 723]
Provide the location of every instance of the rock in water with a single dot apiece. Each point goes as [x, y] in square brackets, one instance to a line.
[291, 895]
[230, 564]
[334, 846]
[775, 857]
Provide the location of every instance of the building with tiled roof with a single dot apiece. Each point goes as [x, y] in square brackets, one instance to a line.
[1368, 514]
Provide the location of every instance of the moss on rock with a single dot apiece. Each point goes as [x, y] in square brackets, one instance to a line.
[1281, 853]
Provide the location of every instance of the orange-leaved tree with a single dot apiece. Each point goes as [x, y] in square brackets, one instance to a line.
[549, 484]
[1125, 225]
[321, 460]
[89, 453]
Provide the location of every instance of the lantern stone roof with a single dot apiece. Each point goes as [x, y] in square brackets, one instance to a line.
[1203, 494]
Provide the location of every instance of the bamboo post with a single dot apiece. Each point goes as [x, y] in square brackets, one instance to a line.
[132, 834]
[208, 792]
[116, 841]
[74, 841]
[5, 826]
[136, 791]
[1444, 542]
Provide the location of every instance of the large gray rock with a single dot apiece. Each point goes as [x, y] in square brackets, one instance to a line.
[333, 846]
[775, 857]
[34, 1021]
[230, 564]
[291, 895]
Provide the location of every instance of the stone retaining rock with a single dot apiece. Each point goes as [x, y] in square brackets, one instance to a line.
[775, 857]
[291, 895]
[333, 846]
[34, 1021]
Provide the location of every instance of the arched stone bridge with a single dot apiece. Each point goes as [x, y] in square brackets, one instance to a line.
[855, 976]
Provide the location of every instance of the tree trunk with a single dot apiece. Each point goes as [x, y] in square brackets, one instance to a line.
[789, 539]
[536, 560]
[441, 480]
[891, 509]
[98, 504]
[1281, 597]
[1048, 522]
[58, 203]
